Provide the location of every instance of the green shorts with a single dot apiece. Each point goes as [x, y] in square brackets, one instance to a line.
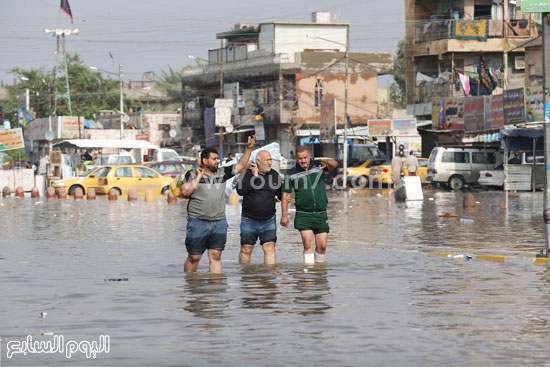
[316, 222]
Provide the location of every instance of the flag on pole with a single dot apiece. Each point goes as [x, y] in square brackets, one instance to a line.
[66, 8]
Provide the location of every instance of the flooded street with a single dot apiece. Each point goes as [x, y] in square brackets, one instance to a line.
[116, 268]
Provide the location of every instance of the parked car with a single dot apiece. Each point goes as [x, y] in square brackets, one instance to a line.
[457, 166]
[123, 178]
[358, 173]
[382, 173]
[121, 158]
[85, 181]
[165, 155]
[17, 165]
[495, 177]
[172, 169]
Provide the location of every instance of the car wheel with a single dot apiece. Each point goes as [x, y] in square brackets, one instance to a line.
[72, 189]
[118, 191]
[456, 183]
[164, 190]
[361, 182]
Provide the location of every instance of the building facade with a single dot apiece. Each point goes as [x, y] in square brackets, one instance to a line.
[282, 72]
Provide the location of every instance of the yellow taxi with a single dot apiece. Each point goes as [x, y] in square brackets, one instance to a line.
[84, 181]
[123, 178]
[358, 174]
[382, 172]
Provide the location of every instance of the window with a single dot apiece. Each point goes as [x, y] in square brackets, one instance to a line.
[173, 168]
[482, 157]
[318, 92]
[145, 172]
[125, 160]
[455, 157]
[102, 172]
[160, 168]
[423, 163]
[123, 172]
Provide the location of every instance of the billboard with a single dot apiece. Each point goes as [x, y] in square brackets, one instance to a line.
[328, 120]
[11, 139]
[474, 113]
[514, 106]
[534, 104]
[380, 127]
[404, 127]
[494, 115]
[454, 113]
[535, 6]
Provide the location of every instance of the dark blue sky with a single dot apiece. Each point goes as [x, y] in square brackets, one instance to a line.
[152, 35]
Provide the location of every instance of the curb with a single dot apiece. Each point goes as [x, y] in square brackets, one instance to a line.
[495, 258]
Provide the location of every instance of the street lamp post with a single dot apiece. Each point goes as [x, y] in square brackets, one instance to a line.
[121, 95]
[346, 57]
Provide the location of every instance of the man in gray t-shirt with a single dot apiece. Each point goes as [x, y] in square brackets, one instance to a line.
[206, 224]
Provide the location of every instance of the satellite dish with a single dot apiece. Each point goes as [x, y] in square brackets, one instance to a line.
[49, 135]
[229, 128]
[172, 133]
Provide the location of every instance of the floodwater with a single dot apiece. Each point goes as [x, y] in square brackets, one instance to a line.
[379, 300]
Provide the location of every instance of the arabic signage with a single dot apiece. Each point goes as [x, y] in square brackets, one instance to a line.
[224, 108]
[535, 6]
[474, 113]
[404, 127]
[534, 104]
[454, 113]
[514, 108]
[380, 127]
[11, 139]
[494, 116]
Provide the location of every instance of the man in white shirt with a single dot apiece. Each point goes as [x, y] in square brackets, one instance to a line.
[412, 164]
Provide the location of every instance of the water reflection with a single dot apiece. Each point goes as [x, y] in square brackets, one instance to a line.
[260, 287]
[311, 289]
[204, 295]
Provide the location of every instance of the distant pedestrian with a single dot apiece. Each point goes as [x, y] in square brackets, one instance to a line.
[206, 223]
[307, 181]
[396, 165]
[412, 164]
[229, 158]
[259, 186]
[515, 159]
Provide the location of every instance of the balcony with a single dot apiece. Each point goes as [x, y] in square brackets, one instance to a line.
[495, 28]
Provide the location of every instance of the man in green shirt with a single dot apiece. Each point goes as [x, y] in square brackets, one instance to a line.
[307, 181]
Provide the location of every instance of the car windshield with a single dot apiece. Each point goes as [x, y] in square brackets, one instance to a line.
[88, 172]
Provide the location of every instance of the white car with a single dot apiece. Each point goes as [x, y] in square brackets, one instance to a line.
[494, 177]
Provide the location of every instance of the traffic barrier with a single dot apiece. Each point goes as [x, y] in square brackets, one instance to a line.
[113, 195]
[50, 193]
[78, 193]
[61, 193]
[35, 193]
[19, 192]
[149, 198]
[91, 194]
[6, 191]
[132, 196]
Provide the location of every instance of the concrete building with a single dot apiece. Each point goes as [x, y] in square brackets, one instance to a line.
[286, 69]
[443, 36]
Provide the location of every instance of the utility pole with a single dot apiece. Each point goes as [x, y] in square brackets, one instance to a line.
[345, 179]
[77, 108]
[546, 90]
[121, 102]
[221, 97]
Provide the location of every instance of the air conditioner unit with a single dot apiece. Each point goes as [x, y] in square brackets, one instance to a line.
[519, 63]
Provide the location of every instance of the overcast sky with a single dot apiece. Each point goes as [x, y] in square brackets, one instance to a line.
[152, 35]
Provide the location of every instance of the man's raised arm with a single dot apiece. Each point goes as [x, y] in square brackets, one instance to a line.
[241, 164]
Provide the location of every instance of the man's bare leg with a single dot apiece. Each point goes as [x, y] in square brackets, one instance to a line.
[215, 257]
[192, 263]
[308, 240]
[320, 247]
[269, 253]
[244, 255]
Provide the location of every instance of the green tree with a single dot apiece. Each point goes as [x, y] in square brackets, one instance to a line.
[94, 91]
[170, 82]
[398, 89]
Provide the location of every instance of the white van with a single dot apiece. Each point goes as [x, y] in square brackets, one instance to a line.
[165, 155]
[458, 166]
